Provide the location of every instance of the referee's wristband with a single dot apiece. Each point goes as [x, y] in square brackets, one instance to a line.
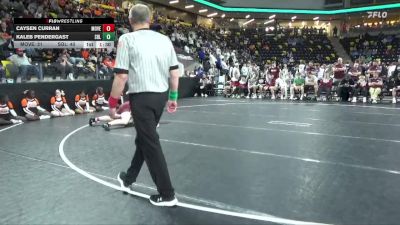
[173, 95]
[112, 102]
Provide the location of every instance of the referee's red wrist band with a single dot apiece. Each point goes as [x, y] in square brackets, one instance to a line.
[112, 102]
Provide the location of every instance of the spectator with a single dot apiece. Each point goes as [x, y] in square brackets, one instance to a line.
[64, 66]
[375, 68]
[30, 105]
[338, 71]
[242, 87]
[335, 31]
[107, 66]
[361, 88]
[355, 71]
[23, 63]
[346, 88]
[394, 83]
[234, 75]
[321, 72]
[298, 85]
[2, 73]
[204, 87]
[252, 86]
[5, 35]
[325, 86]
[311, 82]
[375, 87]
[311, 69]
[283, 82]
[245, 70]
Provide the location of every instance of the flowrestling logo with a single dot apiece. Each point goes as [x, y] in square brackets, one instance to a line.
[377, 14]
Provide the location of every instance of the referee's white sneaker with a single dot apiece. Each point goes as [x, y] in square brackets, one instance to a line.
[159, 200]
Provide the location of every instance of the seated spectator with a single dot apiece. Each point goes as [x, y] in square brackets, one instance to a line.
[7, 113]
[82, 103]
[321, 71]
[325, 86]
[48, 55]
[394, 83]
[311, 82]
[23, 63]
[204, 87]
[252, 85]
[374, 68]
[242, 87]
[261, 84]
[298, 85]
[107, 66]
[338, 71]
[361, 88]
[2, 73]
[355, 71]
[75, 57]
[346, 88]
[5, 35]
[375, 87]
[283, 82]
[391, 69]
[271, 85]
[30, 105]
[59, 105]
[274, 70]
[311, 68]
[99, 100]
[64, 66]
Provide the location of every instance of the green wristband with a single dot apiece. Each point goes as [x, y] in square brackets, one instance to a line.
[173, 95]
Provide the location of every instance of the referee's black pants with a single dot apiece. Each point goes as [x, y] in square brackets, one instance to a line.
[147, 108]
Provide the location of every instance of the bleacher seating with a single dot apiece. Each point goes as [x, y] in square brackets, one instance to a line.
[383, 47]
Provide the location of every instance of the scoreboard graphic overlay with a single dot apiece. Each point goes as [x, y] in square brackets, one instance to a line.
[64, 33]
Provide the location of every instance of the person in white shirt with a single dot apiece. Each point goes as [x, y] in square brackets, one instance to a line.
[245, 70]
[283, 82]
[190, 41]
[321, 72]
[302, 67]
[311, 82]
[252, 86]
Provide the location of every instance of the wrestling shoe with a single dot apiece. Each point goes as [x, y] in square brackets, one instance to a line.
[92, 121]
[159, 200]
[121, 179]
[106, 127]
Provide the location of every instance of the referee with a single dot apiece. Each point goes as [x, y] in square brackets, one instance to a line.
[146, 59]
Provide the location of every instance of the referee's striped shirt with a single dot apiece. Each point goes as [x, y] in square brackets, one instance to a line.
[147, 57]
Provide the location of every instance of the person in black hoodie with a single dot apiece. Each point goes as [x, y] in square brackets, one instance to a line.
[346, 88]
[394, 83]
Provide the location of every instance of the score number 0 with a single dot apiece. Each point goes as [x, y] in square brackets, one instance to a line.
[108, 27]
